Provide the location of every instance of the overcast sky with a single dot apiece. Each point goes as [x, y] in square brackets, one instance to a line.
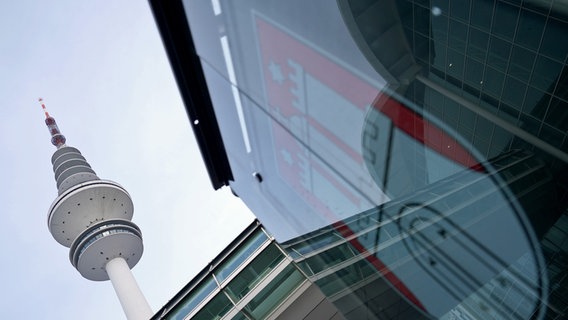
[102, 71]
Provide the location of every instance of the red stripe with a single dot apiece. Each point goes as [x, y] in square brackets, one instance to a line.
[430, 136]
[425, 132]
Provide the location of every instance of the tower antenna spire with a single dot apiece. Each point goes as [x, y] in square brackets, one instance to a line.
[57, 139]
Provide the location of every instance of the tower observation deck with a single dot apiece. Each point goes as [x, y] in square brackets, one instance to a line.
[92, 217]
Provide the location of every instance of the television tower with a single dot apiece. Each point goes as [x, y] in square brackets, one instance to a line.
[92, 217]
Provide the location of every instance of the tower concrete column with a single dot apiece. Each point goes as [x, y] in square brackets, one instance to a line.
[131, 298]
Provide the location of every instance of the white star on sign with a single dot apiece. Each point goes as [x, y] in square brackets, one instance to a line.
[286, 156]
[276, 72]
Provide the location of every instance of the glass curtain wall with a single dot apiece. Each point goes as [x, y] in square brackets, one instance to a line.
[410, 155]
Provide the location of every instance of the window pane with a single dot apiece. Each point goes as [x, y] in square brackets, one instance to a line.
[455, 63]
[545, 74]
[550, 46]
[249, 277]
[346, 277]
[329, 258]
[477, 45]
[458, 35]
[521, 63]
[530, 29]
[536, 102]
[274, 293]
[514, 92]
[239, 316]
[493, 81]
[197, 296]
[556, 115]
[215, 309]
[505, 20]
[459, 9]
[474, 73]
[499, 51]
[314, 243]
[238, 257]
[481, 14]
[440, 29]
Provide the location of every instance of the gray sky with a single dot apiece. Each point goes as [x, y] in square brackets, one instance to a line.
[102, 71]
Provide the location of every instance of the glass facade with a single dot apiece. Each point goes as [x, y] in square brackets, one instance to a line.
[409, 156]
[249, 280]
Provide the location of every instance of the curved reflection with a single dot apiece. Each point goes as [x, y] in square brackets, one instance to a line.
[470, 238]
[413, 152]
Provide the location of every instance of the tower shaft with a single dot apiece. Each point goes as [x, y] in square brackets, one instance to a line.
[131, 298]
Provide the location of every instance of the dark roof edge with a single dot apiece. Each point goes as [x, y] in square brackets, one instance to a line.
[186, 65]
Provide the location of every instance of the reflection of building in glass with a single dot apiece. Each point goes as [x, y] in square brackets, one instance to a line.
[440, 238]
[410, 156]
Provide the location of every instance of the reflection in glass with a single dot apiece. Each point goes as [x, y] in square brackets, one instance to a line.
[239, 257]
[271, 295]
[254, 272]
[215, 309]
[414, 153]
[197, 296]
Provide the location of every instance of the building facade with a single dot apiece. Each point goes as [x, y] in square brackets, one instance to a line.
[253, 278]
[409, 157]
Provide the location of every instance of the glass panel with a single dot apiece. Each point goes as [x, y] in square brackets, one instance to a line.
[460, 9]
[514, 92]
[455, 65]
[542, 6]
[274, 293]
[556, 115]
[315, 242]
[499, 51]
[474, 73]
[505, 20]
[493, 81]
[458, 36]
[239, 316]
[550, 46]
[249, 277]
[521, 63]
[196, 296]
[346, 277]
[440, 29]
[481, 14]
[238, 257]
[443, 5]
[530, 29]
[545, 74]
[329, 258]
[477, 44]
[536, 102]
[214, 309]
